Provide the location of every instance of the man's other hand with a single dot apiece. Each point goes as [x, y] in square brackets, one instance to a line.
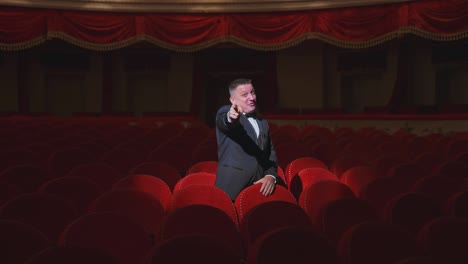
[268, 185]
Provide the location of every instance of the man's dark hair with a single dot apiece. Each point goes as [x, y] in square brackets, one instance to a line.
[241, 81]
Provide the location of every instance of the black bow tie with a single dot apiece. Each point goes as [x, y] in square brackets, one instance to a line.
[252, 114]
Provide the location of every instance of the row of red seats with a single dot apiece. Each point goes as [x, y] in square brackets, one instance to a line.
[367, 242]
[59, 161]
[364, 180]
[181, 144]
[350, 209]
[287, 232]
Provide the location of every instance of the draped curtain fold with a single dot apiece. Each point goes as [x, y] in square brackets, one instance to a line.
[439, 17]
[353, 27]
[180, 30]
[91, 28]
[20, 29]
[268, 29]
[359, 25]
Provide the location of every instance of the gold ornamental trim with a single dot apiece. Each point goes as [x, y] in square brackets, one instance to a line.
[311, 36]
[432, 36]
[91, 45]
[22, 45]
[195, 6]
[235, 40]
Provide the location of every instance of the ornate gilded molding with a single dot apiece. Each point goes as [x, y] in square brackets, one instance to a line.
[194, 6]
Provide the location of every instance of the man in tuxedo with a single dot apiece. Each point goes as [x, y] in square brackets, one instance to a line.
[246, 154]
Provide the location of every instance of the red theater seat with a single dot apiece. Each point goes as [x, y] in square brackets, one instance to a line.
[202, 219]
[26, 178]
[193, 249]
[196, 178]
[46, 212]
[345, 162]
[345, 132]
[358, 177]
[270, 216]
[292, 245]
[376, 242]
[175, 152]
[317, 195]
[438, 187]
[17, 156]
[62, 161]
[251, 197]
[357, 152]
[96, 146]
[19, 241]
[378, 192]
[384, 162]
[282, 177]
[209, 166]
[289, 150]
[123, 159]
[140, 144]
[168, 173]
[456, 147]
[307, 177]
[7, 192]
[71, 255]
[102, 174]
[315, 131]
[167, 130]
[339, 215]
[149, 184]
[325, 151]
[298, 164]
[139, 206]
[457, 204]
[430, 160]
[196, 130]
[112, 233]
[78, 191]
[393, 146]
[411, 211]
[205, 195]
[285, 133]
[405, 175]
[463, 158]
[445, 239]
[452, 169]
[419, 145]
[207, 150]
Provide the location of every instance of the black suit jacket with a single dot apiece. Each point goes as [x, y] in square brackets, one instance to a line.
[242, 157]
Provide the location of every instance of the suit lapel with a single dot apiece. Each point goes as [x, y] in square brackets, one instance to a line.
[251, 131]
[249, 128]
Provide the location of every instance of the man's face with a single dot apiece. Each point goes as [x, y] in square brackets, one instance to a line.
[244, 97]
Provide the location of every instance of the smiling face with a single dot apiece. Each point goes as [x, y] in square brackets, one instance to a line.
[244, 97]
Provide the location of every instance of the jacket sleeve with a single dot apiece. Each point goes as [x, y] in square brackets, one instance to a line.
[222, 121]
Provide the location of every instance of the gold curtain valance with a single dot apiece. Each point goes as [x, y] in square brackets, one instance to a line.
[352, 27]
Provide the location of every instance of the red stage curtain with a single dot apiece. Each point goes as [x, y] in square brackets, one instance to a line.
[265, 29]
[183, 30]
[439, 17]
[355, 27]
[22, 28]
[93, 27]
[361, 25]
